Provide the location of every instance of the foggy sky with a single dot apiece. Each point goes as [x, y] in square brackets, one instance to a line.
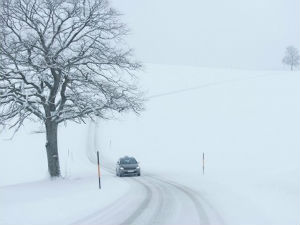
[250, 34]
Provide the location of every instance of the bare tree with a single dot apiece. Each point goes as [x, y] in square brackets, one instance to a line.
[291, 57]
[63, 60]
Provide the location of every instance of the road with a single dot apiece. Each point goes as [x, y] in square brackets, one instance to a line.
[152, 200]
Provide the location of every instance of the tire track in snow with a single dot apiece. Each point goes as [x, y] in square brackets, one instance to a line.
[141, 208]
[198, 203]
[202, 217]
[114, 212]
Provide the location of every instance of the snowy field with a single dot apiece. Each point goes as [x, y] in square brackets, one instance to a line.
[246, 122]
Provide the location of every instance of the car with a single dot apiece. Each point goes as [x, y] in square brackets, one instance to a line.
[127, 166]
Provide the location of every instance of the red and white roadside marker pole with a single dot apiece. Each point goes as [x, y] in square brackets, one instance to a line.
[98, 162]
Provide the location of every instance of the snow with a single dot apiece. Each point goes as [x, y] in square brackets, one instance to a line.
[57, 202]
[246, 123]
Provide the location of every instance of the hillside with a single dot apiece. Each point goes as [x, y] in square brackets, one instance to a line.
[246, 123]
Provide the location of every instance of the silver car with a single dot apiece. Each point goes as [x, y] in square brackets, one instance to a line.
[128, 166]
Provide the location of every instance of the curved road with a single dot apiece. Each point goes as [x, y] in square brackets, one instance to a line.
[153, 200]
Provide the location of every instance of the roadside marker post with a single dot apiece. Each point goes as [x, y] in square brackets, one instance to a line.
[98, 162]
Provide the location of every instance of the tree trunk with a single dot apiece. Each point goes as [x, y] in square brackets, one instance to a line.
[52, 149]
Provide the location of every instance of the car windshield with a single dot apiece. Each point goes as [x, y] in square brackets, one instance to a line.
[128, 161]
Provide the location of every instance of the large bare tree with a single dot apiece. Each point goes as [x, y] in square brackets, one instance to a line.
[63, 60]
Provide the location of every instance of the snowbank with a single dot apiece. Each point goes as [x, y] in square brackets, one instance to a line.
[57, 202]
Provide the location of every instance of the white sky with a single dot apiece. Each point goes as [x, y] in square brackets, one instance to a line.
[249, 34]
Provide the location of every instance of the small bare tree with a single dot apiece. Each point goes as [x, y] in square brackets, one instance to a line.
[291, 57]
[63, 60]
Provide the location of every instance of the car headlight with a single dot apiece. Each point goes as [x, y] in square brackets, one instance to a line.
[137, 167]
[121, 168]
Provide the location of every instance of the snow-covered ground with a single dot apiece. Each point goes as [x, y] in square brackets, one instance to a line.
[57, 202]
[246, 122]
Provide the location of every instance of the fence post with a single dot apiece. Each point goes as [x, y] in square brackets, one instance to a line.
[98, 162]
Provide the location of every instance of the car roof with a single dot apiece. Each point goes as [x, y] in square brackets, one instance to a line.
[127, 157]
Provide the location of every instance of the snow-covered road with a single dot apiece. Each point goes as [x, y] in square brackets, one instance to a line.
[153, 200]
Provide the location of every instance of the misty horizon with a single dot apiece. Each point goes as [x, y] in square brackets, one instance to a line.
[231, 34]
